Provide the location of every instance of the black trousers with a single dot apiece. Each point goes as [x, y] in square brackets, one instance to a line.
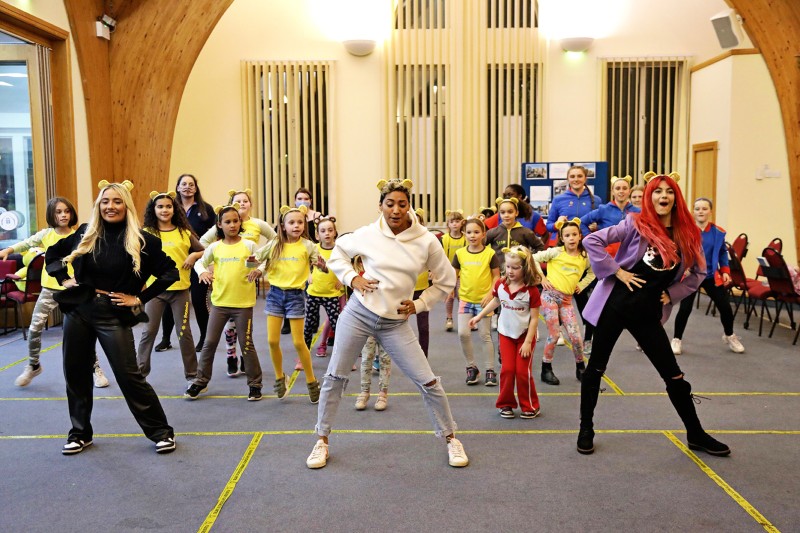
[646, 328]
[719, 295]
[199, 294]
[581, 299]
[83, 326]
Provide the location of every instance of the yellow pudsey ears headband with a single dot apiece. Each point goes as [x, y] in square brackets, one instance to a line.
[407, 184]
[286, 209]
[516, 250]
[453, 212]
[513, 200]
[102, 184]
[420, 212]
[615, 179]
[650, 175]
[219, 208]
[490, 208]
[233, 192]
[560, 224]
[156, 194]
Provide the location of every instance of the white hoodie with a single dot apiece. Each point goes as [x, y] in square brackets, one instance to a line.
[394, 261]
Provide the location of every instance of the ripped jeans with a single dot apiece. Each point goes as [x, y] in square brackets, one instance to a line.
[355, 325]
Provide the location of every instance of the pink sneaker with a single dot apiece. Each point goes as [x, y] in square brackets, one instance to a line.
[322, 350]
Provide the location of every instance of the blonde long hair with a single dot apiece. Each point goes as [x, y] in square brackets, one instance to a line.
[94, 229]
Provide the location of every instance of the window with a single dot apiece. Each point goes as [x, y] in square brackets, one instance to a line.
[286, 132]
[511, 14]
[645, 115]
[420, 15]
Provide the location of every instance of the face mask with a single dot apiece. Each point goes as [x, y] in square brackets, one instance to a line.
[298, 203]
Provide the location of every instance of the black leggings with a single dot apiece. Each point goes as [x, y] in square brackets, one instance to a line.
[719, 295]
[199, 292]
[580, 300]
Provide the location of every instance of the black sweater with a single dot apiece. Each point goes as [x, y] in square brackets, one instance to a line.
[110, 268]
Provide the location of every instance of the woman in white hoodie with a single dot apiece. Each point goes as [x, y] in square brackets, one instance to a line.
[395, 250]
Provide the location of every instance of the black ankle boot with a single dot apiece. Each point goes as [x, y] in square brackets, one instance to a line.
[547, 374]
[680, 394]
[586, 441]
[580, 368]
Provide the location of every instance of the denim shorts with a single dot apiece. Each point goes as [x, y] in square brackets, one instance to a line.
[289, 303]
[468, 308]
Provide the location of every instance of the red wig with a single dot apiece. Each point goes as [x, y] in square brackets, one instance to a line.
[685, 232]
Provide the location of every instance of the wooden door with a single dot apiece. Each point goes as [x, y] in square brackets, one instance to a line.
[704, 172]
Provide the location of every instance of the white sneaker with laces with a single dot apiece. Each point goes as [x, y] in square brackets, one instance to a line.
[456, 454]
[560, 341]
[734, 343]
[24, 379]
[100, 379]
[676, 346]
[319, 455]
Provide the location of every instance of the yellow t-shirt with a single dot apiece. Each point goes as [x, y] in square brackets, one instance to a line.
[475, 271]
[323, 284]
[252, 230]
[564, 271]
[423, 282]
[230, 287]
[176, 244]
[291, 269]
[452, 245]
[44, 239]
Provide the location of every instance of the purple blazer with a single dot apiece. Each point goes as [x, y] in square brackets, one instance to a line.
[631, 250]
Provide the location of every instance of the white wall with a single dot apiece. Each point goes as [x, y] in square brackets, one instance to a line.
[54, 12]
[734, 103]
[208, 134]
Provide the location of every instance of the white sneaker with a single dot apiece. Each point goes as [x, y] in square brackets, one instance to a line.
[560, 341]
[587, 348]
[457, 455]
[676, 346]
[24, 379]
[100, 379]
[319, 455]
[734, 343]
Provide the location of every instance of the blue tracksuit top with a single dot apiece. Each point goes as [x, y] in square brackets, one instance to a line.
[570, 205]
[606, 215]
[715, 251]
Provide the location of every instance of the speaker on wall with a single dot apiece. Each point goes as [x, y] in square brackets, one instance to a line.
[726, 25]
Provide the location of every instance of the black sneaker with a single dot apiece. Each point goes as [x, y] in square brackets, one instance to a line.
[529, 414]
[166, 445]
[472, 375]
[194, 391]
[163, 346]
[710, 445]
[586, 441]
[286, 329]
[75, 446]
[199, 347]
[255, 394]
[241, 364]
[547, 374]
[233, 367]
[507, 412]
[330, 341]
[491, 378]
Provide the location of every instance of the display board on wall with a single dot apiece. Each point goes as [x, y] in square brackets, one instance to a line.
[545, 181]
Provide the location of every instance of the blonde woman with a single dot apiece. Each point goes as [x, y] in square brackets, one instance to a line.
[102, 301]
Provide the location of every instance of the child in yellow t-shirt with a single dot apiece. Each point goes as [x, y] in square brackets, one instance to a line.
[566, 264]
[451, 241]
[324, 290]
[289, 258]
[232, 297]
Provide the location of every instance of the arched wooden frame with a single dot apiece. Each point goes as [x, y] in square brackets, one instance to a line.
[134, 85]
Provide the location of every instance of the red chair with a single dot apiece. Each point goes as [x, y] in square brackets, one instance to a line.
[777, 245]
[740, 246]
[33, 286]
[738, 281]
[781, 286]
[6, 267]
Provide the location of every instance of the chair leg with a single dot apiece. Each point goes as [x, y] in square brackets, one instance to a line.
[796, 334]
[761, 322]
[777, 316]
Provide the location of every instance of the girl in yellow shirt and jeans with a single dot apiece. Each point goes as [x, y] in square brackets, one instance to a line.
[289, 258]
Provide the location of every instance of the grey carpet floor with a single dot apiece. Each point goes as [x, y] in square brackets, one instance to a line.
[240, 466]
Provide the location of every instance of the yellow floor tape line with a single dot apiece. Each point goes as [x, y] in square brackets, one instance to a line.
[15, 363]
[231, 485]
[738, 498]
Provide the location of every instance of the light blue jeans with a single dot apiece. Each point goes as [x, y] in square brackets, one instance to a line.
[355, 325]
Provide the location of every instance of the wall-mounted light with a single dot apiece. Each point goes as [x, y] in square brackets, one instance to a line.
[576, 44]
[359, 47]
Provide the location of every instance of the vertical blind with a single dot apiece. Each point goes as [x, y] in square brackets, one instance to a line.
[645, 119]
[46, 95]
[286, 132]
[461, 99]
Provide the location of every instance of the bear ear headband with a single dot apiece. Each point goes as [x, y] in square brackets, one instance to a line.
[219, 208]
[650, 175]
[156, 194]
[420, 212]
[615, 179]
[513, 200]
[234, 192]
[516, 250]
[407, 184]
[127, 184]
[321, 218]
[453, 212]
[286, 209]
[560, 224]
[490, 208]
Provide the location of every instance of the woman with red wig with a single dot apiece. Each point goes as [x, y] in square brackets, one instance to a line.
[660, 261]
